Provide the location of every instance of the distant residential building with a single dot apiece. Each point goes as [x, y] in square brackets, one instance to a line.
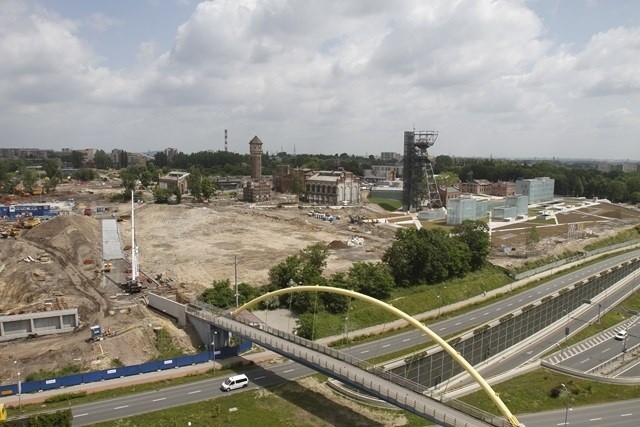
[26, 153]
[536, 189]
[333, 187]
[88, 154]
[604, 167]
[448, 193]
[284, 177]
[390, 157]
[136, 159]
[477, 186]
[503, 188]
[174, 180]
[629, 167]
[379, 173]
[170, 153]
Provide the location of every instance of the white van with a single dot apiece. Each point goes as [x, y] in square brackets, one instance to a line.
[234, 382]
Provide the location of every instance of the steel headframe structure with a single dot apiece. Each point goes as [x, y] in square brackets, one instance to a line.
[419, 182]
[401, 314]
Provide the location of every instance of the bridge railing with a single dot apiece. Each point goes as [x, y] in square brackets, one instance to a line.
[379, 372]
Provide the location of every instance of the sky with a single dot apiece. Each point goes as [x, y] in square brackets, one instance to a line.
[506, 79]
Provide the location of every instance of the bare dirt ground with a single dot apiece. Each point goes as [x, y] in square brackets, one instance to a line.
[587, 224]
[190, 245]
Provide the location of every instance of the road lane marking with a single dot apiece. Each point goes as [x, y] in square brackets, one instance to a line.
[386, 345]
[595, 419]
[80, 415]
[442, 329]
[260, 377]
[585, 360]
[460, 323]
[484, 314]
[365, 351]
[604, 351]
[194, 392]
[289, 370]
[120, 407]
[405, 340]
[158, 400]
[625, 415]
[473, 318]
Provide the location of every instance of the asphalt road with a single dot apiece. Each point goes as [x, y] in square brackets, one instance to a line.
[146, 402]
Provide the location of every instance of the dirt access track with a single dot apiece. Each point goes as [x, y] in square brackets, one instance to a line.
[190, 245]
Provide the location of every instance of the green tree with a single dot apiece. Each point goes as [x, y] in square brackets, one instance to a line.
[426, 256]
[335, 303]
[29, 178]
[52, 168]
[373, 279]
[146, 178]
[475, 234]
[219, 295]
[102, 160]
[162, 195]
[85, 174]
[77, 160]
[207, 188]
[306, 327]
[195, 182]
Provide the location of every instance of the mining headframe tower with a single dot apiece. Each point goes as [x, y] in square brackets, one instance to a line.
[420, 189]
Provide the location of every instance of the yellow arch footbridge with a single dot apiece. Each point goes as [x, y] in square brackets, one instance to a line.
[401, 314]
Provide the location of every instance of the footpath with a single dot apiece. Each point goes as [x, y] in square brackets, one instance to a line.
[271, 357]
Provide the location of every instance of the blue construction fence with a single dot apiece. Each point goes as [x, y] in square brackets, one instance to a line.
[125, 371]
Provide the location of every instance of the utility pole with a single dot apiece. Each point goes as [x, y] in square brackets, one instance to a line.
[235, 275]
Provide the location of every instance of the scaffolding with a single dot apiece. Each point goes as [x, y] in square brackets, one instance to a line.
[420, 189]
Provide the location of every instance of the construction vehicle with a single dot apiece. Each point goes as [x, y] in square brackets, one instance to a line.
[3, 412]
[96, 333]
[30, 222]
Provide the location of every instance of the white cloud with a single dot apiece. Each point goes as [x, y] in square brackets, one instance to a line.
[323, 75]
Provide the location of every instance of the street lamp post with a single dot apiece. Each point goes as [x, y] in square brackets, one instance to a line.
[15, 362]
[213, 344]
[566, 411]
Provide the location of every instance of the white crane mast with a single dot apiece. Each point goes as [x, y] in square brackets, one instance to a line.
[134, 248]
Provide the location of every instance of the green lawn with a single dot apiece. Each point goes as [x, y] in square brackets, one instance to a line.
[288, 404]
[390, 205]
[532, 393]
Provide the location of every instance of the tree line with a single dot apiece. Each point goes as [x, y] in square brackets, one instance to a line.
[577, 179]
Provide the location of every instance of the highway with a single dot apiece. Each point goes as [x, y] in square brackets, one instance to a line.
[176, 396]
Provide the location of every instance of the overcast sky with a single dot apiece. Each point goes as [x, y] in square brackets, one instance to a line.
[539, 78]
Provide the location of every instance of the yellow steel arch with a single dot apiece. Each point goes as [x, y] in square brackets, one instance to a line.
[456, 356]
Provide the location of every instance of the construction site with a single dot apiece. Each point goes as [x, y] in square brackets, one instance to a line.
[58, 263]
